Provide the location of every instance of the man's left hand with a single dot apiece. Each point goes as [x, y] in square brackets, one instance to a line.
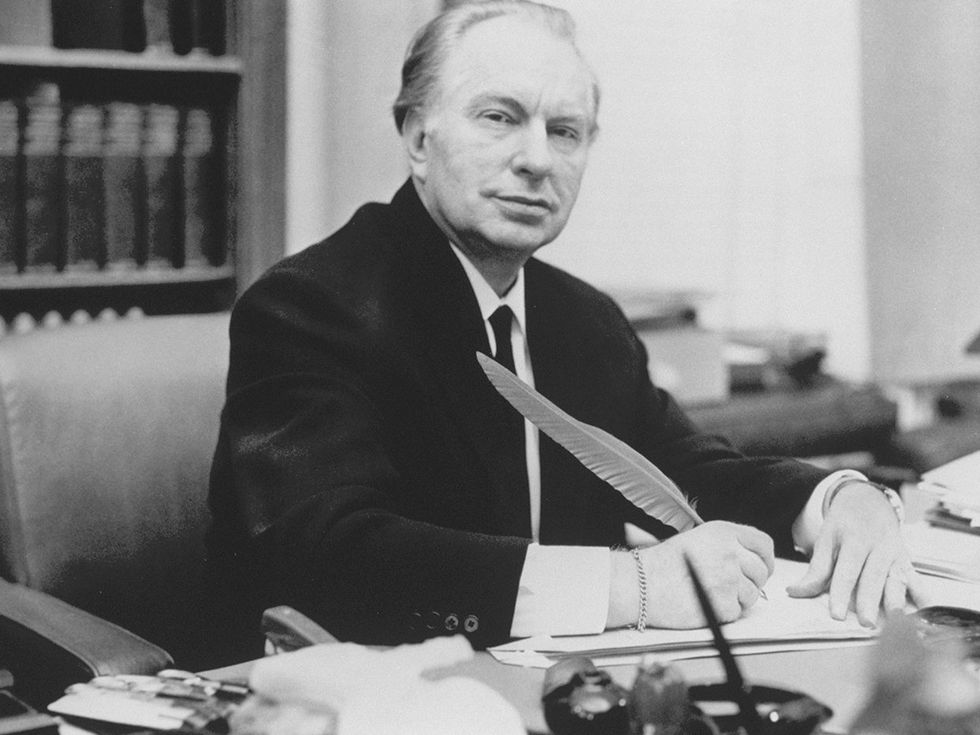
[860, 553]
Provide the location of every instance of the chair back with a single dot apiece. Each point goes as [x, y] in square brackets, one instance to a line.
[106, 437]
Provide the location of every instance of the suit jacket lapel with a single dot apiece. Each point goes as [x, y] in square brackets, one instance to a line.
[571, 496]
[452, 327]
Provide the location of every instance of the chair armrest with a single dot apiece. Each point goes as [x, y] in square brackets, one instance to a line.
[49, 644]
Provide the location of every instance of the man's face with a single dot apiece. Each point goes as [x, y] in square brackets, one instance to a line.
[505, 139]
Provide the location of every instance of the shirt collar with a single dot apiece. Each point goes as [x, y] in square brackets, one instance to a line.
[487, 298]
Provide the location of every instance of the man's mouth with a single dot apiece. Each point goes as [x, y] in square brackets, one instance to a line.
[525, 202]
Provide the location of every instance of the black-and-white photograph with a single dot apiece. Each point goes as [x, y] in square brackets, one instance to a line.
[491, 367]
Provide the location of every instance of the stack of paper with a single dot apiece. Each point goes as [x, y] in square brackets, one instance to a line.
[947, 543]
[938, 552]
[779, 623]
[956, 486]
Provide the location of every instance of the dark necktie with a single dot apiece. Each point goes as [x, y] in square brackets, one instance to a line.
[517, 512]
[501, 320]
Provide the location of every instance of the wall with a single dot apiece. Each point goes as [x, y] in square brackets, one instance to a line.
[729, 162]
[922, 127]
[342, 147]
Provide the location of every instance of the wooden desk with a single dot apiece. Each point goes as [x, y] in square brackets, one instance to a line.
[836, 677]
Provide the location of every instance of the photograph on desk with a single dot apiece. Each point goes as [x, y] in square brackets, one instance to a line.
[541, 331]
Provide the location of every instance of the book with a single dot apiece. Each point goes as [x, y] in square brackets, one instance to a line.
[84, 210]
[25, 23]
[203, 206]
[124, 196]
[209, 26]
[11, 258]
[162, 181]
[42, 179]
[156, 16]
[98, 24]
[198, 26]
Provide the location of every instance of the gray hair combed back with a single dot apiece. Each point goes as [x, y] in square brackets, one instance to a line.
[431, 45]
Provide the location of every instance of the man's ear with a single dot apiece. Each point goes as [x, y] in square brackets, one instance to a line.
[414, 137]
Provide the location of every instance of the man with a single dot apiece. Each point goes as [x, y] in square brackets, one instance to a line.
[368, 474]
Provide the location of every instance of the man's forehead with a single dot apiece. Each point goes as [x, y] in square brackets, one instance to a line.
[515, 57]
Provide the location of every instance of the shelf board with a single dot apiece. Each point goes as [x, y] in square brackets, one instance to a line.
[52, 58]
[112, 277]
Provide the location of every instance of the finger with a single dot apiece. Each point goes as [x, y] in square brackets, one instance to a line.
[871, 584]
[896, 590]
[915, 589]
[728, 605]
[748, 593]
[753, 567]
[843, 581]
[759, 543]
[817, 575]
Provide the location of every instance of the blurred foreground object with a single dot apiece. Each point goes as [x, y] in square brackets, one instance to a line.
[348, 689]
[579, 699]
[919, 689]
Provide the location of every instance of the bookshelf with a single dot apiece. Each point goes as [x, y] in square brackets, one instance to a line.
[187, 154]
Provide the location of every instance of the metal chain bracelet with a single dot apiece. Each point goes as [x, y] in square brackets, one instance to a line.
[641, 573]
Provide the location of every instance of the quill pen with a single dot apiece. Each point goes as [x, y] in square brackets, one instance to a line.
[741, 691]
[637, 478]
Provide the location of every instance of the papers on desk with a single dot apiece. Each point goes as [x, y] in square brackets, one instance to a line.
[935, 546]
[780, 623]
[939, 552]
[956, 486]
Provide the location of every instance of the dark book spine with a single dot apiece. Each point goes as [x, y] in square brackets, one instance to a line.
[11, 212]
[99, 24]
[203, 206]
[209, 26]
[182, 26]
[161, 170]
[83, 192]
[124, 196]
[198, 26]
[42, 180]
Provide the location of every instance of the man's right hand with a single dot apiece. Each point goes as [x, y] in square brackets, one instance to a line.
[733, 561]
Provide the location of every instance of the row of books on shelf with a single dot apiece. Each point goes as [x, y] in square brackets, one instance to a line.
[108, 186]
[155, 26]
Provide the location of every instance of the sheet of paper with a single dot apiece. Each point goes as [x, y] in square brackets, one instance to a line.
[962, 476]
[533, 659]
[940, 552]
[780, 621]
[952, 593]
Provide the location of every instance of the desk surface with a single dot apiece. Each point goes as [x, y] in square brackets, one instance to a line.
[836, 677]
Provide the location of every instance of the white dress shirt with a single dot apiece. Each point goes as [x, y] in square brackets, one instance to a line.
[564, 590]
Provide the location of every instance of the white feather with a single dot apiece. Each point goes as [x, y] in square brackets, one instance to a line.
[637, 478]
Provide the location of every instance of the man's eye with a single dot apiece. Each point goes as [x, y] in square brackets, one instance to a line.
[566, 133]
[496, 116]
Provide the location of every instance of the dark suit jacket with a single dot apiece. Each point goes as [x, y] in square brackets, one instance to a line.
[363, 469]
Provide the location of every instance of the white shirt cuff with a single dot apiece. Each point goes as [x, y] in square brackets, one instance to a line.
[807, 524]
[564, 590]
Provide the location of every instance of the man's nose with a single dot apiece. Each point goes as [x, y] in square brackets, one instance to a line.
[533, 155]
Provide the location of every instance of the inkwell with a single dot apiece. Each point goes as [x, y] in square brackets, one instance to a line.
[579, 699]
